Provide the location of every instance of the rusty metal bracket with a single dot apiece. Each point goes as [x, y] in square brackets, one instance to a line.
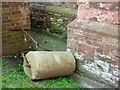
[25, 60]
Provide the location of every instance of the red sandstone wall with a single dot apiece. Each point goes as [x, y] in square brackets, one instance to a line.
[93, 38]
[13, 39]
[101, 12]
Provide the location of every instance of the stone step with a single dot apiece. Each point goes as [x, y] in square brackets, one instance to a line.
[89, 83]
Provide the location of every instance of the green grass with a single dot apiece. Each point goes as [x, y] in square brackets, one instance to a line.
[13, 75]
[48, 41]
[0, 80]
[15, 78]
[60, 10]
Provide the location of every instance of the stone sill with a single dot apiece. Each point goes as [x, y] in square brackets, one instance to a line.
[89, 83]
[95, 77]
[100, 27]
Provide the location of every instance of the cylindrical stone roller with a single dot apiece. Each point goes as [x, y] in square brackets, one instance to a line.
[46, 64]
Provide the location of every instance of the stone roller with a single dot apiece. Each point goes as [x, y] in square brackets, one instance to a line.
[48, 64]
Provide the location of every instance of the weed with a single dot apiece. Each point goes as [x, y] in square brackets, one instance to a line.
[16, 78]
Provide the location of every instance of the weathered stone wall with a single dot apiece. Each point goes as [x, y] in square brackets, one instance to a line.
[52, 16]
[13, 38]
[93, 38]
